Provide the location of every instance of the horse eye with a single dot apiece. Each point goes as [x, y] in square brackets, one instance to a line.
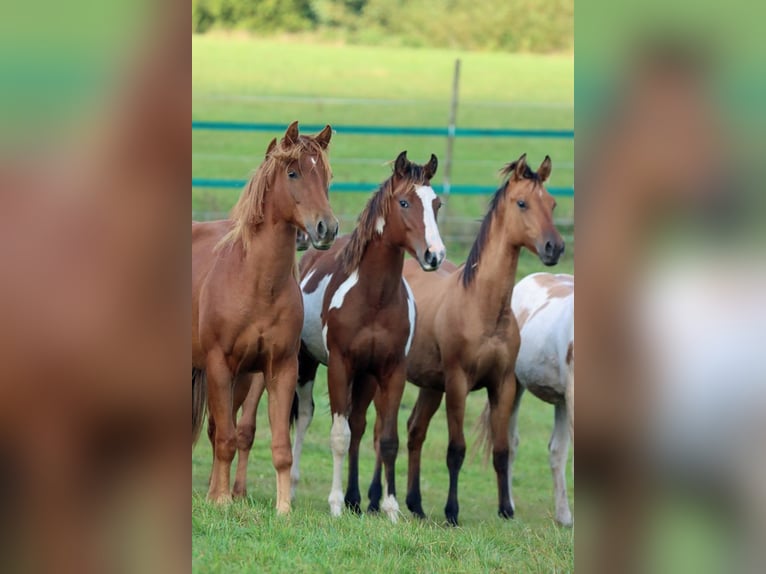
[292, 174]
[404, 203]
[522, 204]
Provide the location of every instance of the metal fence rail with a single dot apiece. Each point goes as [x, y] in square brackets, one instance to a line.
[391, 130]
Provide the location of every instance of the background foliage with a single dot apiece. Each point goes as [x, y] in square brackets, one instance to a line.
[508, 25]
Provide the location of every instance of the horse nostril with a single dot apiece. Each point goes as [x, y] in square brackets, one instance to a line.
[321, 230]
[548, 248]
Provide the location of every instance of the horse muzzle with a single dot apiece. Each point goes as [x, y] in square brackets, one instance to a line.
[551, 252]
[432, 258]
[323, 232]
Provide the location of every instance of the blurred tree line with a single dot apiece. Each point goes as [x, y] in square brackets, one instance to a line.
[508, 25]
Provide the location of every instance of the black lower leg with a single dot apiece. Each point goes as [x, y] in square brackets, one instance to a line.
[500, 462]
[376, 488]
[455, 456]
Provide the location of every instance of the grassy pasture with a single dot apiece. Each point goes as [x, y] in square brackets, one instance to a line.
[233, 77]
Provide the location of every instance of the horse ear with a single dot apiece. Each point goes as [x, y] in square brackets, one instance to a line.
[544, 172]
[323, 137]
[291, 135]
[430, 167]
[271, 147]
[521, 166]
[401, 164]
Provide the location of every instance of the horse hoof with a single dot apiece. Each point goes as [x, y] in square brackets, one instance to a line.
[452, 521]
[238, 493]
[220, 499]
[353, 506]
[373, 508]
[506, 513]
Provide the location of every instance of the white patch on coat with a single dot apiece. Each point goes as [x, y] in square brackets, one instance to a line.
[313, 334]
[340, 294]
[313, 161]
[380, 225]
[433, 238]
[340, 439]
[411, 315]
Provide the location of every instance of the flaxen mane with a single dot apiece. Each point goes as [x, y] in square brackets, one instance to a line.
[469, 271]
[378, 206]
[247, 213]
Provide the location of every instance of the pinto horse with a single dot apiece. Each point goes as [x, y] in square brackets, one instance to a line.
[246, 303]
[543, 304]
[360, 317]
[466, 336]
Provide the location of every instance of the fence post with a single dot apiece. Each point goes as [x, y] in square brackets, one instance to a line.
[451, 129]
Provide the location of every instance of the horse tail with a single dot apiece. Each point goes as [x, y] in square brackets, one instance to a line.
[199, 401]
[483, 430]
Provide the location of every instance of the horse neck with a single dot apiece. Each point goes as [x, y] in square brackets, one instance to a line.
[270, 252]
[380, 270]
[492, 284]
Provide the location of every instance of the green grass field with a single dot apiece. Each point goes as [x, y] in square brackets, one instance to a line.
[231, 77]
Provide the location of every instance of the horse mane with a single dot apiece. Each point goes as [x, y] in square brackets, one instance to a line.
[472, 262]
[247, 212]
[377, 206]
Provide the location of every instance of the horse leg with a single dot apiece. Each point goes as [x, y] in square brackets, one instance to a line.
[417, 426]
[248, 396]
[390, 391]
[456, 389]
[340, 434]
[501, 402]
[558, 449]
[513, 442]
[307, 368]
[375, 492]
[219, 407]
[211, 438]
[362, 392]
[281, 379]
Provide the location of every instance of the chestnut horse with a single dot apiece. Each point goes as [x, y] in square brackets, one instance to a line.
[360, 317]
[246, 303]
[247, 397]
[466, 336]
[543, 304]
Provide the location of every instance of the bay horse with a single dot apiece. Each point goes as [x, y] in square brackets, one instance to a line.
[246, 304]
[467, 338]
[360, 318]
[543, 304]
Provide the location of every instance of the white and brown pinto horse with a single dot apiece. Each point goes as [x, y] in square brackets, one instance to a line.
[543, 304]
[360, 318]
[246, 303]
[467, 337]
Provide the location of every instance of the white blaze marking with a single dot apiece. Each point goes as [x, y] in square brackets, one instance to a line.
[433, 239]
[312, 334]
[340, 439]
[313, 161]
[411, 315]
[380, 224]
